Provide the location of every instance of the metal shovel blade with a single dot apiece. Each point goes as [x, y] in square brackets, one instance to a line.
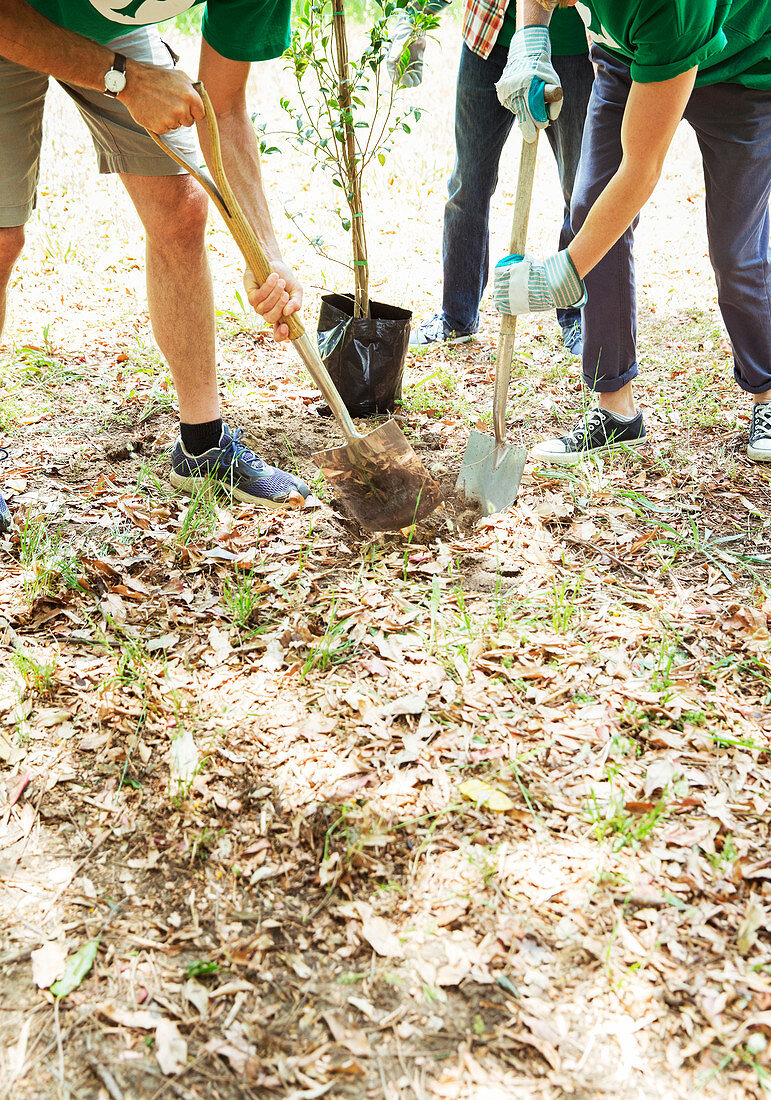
[381, 480]
[491, 472]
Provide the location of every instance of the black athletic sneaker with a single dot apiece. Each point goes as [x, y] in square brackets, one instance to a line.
[241, 470]
[759, 446]
[5, 516]
[436, 331]
[597, 433]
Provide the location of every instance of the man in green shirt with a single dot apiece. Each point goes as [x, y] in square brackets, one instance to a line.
[708, 61]
[108, 56]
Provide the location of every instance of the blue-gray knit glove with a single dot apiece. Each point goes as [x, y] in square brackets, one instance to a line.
[527, 74]
[524, 284]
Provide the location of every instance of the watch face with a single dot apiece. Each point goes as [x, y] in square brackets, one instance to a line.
[114, 81]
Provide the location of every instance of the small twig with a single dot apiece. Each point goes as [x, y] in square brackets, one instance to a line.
[105, 1077]
[382, 1075]
[611, 557]
[404, 1068]
[59, 1047]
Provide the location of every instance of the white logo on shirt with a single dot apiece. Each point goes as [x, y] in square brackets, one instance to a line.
[140, 13]
[601, 37]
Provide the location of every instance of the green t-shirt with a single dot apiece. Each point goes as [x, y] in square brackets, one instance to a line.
[729, 40]
[567, 32]
[242, 30]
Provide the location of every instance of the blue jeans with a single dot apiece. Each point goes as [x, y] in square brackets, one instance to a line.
[481, 128]
[733, 128]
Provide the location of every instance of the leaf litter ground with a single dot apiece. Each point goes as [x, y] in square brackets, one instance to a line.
[479, 811]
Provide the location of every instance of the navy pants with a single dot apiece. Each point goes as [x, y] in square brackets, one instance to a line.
[481, 128]
[733, 128]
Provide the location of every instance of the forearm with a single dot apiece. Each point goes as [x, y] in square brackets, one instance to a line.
[531, 14]
[651, 116]
[29, 39]
[612, 214]
[241, 160]
[157, 98]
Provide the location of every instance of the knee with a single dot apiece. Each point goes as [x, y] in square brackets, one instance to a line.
[181, 225]
[11, 244]
[728, 262]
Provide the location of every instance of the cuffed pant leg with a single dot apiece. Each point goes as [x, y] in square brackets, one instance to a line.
[733, 127]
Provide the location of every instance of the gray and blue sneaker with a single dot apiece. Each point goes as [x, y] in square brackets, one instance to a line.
[436, 331]
[6, 523]
[598, 432]
[242, 471]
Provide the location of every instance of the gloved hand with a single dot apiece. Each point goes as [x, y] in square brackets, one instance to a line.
[524, 284]
[528, 71]
[412, 73]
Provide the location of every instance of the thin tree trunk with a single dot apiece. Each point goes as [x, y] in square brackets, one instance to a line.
[352, 177]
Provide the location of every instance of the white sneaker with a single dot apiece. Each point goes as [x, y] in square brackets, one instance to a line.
[759, 446]
[598, 432]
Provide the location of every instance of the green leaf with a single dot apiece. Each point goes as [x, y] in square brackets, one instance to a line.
[76, 968]
[201, 968]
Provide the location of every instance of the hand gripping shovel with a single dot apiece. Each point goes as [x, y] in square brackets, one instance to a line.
[491, 469]
[378, 476]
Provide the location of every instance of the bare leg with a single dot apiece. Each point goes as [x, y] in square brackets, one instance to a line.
[620, 401]
[11, 244]
[179, 287]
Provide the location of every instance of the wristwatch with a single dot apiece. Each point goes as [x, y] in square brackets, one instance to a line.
[115, 78]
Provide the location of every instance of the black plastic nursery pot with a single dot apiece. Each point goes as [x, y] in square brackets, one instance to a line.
[364, 356]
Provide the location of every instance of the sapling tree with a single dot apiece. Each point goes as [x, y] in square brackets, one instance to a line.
[347, 114]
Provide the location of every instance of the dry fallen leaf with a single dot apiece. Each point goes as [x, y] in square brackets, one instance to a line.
[484, 794]
[48, 963]
[170, 1047]
[381, 937]
[353, 1038]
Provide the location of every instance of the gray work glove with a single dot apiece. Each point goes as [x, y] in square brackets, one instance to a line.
[527, 75]
[524, 284]
[405, 57]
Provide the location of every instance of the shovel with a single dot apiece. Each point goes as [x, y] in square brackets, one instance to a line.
[378, 476]
[491, 469]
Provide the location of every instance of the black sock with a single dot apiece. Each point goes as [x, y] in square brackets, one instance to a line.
[197, 438]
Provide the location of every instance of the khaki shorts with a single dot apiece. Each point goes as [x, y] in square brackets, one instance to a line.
[121, 144]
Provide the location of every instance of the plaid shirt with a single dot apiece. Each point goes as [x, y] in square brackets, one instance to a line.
[482, 21]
